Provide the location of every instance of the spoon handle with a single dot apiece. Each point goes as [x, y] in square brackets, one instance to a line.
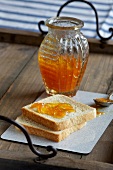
[110, 95]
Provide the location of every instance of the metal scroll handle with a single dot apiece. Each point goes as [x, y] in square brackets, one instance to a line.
[52, 151]
[96, 15]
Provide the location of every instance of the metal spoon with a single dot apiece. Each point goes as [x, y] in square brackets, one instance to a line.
[104, 101]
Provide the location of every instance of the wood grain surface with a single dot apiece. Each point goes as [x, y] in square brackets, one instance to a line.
[35, 38]
[21, 84]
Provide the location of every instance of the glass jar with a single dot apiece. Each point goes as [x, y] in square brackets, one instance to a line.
[63, 56]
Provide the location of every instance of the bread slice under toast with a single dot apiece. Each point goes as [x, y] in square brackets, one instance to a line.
[36, 129]
[83, 113]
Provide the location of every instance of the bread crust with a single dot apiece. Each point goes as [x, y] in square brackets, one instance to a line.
[56, 136]
[39, 119]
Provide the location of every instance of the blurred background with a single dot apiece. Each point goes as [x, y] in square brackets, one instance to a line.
[25, 14]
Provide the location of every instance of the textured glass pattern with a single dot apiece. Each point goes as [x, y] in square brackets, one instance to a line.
[63, 57]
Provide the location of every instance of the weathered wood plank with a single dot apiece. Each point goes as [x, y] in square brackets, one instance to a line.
[78, 163]
[99, 73]
[56, 162]
[27, 86]
[32, 38]
[20, 36]
[13, 59]
[96, 46]
[20, 165]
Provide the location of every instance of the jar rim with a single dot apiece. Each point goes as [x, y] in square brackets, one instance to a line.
[70, 23]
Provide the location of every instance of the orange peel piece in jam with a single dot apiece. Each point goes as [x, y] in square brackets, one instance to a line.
[56, 110]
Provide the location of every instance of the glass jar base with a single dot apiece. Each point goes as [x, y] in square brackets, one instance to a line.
[69, 94]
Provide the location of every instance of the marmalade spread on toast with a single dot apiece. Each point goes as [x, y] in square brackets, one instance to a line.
[56, 110]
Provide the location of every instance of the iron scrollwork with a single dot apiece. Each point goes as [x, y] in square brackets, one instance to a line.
[52, 151]
[96, 16]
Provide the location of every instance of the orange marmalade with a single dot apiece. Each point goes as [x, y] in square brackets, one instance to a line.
[62, 75]
[56, 110]
[104, 100]
[98, 110]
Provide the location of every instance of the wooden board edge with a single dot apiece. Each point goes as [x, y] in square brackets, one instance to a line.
[35, 39]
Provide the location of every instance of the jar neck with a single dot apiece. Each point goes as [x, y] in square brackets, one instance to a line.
[63, 33]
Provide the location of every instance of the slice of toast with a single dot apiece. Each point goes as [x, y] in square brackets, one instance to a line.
[83, 113]
[36, 129]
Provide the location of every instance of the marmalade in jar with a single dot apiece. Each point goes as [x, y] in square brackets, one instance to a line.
[62, 75]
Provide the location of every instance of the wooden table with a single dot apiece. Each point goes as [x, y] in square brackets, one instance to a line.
[21, 84]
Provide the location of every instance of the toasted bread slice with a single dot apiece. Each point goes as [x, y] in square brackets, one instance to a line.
[36, 129]
[83, 113]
